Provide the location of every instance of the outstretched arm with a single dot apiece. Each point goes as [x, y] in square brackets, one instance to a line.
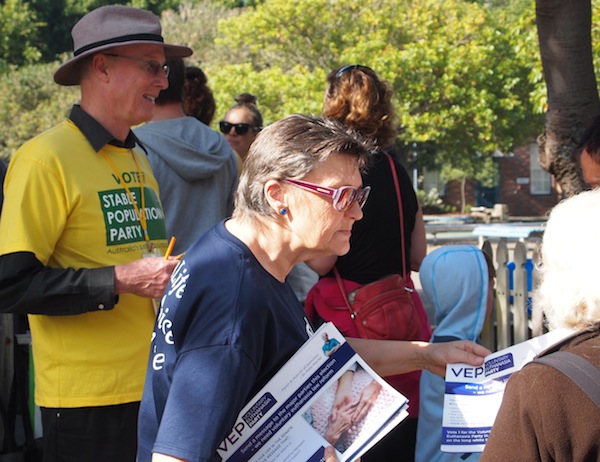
[156, 457]
[330, 455]
[392, 357]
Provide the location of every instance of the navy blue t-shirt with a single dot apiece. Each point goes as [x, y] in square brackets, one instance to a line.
[225, 326]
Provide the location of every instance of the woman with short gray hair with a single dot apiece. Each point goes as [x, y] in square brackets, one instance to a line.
[229, 320]
[232, 319]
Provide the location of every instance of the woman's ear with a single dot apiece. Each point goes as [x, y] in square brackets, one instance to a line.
[275, 194]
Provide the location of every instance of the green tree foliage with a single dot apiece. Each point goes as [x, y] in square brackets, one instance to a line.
[195, 24]
[56, 18]
[30, 103]
[461, 76]
[459, 81]
[18, 26]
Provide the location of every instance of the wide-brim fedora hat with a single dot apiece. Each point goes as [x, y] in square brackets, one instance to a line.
[111, 26]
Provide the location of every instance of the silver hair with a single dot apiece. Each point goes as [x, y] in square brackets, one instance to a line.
[291, 148]
[569, 292]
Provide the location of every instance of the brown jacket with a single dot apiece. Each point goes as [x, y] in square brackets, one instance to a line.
[545, 416]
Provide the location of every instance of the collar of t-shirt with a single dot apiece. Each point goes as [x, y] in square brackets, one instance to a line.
[96, 134]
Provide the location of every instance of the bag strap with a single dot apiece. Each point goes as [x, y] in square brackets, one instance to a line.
[338, 278]
[585, 375]
[401, 214]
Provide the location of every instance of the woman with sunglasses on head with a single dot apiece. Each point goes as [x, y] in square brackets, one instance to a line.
[357, 97]
[242, 123]
[229, 320]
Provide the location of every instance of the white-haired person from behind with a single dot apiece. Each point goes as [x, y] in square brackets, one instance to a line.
[544, 414]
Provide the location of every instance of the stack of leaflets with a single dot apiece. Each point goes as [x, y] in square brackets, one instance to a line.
[324, 395]
[473, 394]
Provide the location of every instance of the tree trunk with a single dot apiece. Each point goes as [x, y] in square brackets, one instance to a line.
[564, 32]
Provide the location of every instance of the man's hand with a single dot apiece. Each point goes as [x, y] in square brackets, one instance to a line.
[146, 277]
[329, 455]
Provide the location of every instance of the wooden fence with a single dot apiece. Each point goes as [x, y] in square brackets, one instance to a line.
[514, 318]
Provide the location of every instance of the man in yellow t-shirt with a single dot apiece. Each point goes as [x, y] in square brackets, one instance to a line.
[81, 211]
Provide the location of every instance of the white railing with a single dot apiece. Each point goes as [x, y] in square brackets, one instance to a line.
[514, 318]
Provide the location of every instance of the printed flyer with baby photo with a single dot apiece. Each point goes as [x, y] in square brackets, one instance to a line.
[473, 395]
[325, 395]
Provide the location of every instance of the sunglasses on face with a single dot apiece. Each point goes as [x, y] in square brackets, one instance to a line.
[240, 129]
[154, 68]
[343, 198]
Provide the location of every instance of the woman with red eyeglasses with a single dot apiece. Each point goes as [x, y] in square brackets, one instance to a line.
[229, 319]
[242, 123]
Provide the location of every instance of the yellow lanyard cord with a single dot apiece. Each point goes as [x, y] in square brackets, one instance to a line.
[141, 215]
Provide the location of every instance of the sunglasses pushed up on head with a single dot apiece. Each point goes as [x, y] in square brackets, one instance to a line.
[240, 129]
[350, 67]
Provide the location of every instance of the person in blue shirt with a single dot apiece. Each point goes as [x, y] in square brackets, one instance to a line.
[330, 345]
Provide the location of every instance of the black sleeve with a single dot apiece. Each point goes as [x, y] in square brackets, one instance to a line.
[3, 168]
[27, 286]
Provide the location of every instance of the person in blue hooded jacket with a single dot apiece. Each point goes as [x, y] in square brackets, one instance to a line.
[458, 280]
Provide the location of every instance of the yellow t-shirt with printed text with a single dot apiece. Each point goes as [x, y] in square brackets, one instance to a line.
[67, 205]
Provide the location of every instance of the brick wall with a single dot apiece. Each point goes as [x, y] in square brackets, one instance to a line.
[514, 188]
[452, 194]
[515, 191]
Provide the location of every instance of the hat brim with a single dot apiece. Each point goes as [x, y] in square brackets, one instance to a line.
[68, 74]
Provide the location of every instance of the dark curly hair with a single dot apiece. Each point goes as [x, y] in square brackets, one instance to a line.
[198, 99]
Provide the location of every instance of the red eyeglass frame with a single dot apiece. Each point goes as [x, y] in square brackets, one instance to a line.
[359, 194]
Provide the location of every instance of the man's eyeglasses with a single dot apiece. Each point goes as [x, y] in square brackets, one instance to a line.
[240, 129]
[350, 67]
[154, 68]
[343, 198]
